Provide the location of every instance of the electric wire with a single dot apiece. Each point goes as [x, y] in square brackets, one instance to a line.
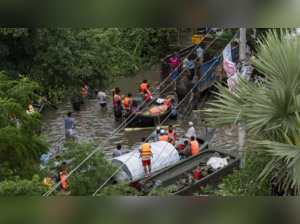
[150, 136]
[122, 125]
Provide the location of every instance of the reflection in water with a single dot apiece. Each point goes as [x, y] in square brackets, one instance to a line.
[92, 124]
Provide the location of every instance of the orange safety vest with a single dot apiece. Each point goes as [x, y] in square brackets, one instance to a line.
[195, 147]
[115, 101]
[171, 135]
[83, 91]
[164, 138]
[148, 96]
[64, 183]
[126, 103]
[168, 102]
[146, 151]
[143, 87]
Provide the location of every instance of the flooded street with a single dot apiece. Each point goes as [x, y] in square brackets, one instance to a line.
[92, 124]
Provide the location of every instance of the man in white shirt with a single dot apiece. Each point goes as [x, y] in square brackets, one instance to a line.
[191, 131]
[102, 100]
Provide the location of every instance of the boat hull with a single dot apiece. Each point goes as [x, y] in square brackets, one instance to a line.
[206, 137]
[172, 174]
[152, 120]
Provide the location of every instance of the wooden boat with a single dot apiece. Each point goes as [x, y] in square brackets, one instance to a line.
[38, 106]
[151, 119]
[203, 138]
[171, 175]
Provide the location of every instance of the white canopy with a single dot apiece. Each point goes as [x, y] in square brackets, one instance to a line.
[164, 154]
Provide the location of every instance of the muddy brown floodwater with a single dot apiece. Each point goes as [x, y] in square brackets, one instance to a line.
[92, 124]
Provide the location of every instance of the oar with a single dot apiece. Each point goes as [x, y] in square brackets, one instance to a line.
[146, 128]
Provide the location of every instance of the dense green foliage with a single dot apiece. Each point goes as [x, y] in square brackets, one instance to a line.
[89, 177]
[270, 111]
[59, 60]
[18, 187]
[21, 146]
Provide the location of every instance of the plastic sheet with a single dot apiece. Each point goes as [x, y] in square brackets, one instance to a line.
[164, 154]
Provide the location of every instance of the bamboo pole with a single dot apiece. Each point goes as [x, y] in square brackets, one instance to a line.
[148, 128]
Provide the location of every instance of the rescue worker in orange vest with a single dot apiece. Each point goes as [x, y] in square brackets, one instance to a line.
[164, 137]
[194, 145]
[145, 150]
[145, 86]
[167, 102]
[83, 92]
[128, 102]
[31, 110]
[147, 95]
[117, 97]
[63, 174]
[171, 133]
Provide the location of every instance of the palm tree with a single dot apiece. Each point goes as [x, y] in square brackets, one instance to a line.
[270, 111]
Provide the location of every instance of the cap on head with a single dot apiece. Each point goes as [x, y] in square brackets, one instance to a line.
[191, 123]
[157, 128]
[162, 131]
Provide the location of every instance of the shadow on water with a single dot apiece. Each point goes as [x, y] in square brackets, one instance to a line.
[92, 124]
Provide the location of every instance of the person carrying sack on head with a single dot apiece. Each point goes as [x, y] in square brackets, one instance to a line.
[145, 150]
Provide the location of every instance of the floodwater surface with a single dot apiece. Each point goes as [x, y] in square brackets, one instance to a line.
[92, 124]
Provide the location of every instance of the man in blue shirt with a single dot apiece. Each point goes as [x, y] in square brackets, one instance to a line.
[69, 123]
[156, 134]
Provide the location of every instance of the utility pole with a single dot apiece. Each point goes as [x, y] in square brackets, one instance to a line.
[243, 41]
[241, 132]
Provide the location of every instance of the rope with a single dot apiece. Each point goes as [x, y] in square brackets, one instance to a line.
[150, 136]
[120, 127]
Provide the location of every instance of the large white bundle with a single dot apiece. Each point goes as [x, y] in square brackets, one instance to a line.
[164, 154]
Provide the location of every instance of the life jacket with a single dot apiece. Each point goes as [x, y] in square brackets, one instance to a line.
[143, 87]
[194, 146]
[126, 103]
[83, 92]
[191, 128]
[171, 135]
[115, 101]
[64, 183]
[148, 96]
[167, 101]
[146, 151]
[47, 181]
[164, 138]
[31, 110]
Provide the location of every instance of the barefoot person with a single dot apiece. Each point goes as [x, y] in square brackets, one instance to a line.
[145, 150]
[173, 73]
